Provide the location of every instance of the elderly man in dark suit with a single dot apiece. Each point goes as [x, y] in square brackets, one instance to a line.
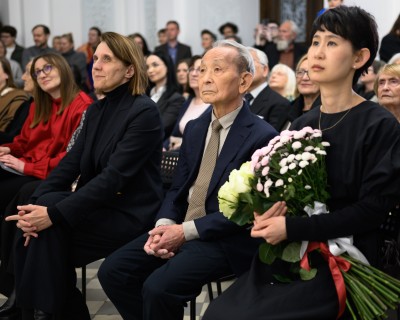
[117, 157]
[176, 50]
[265, 102]
[193, 243]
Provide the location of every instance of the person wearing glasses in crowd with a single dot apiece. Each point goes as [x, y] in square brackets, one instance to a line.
[192, 108]
[120, 144]
[53, 117]
[307, 92]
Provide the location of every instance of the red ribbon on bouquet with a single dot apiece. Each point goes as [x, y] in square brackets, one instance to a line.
[336, 265]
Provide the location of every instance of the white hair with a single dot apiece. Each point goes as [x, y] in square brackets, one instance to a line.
[262, 57]
[394, 58]
[291, 79]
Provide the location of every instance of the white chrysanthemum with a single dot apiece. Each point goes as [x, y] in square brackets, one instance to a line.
[299, 134]
[300, 172]
[323, 152]
[306, 156]
[303, 164]
[296, 145]
[283, 170]
[298, 157]
[292, 166]
[307, 187]
[290, 179]
[290, 157]
[265, 171]
[283, 162]
[308, 148]
[325, 143]
[279, 183]
[284, 139]
[316, 135]
[268, 183]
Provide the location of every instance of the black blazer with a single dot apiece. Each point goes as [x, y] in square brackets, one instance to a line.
[247, 134]
[169, 109]
[17, 56]
[122, 174]
[183, 52]
[272, 107]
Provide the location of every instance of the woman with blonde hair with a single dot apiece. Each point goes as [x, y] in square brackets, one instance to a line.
[282, 79]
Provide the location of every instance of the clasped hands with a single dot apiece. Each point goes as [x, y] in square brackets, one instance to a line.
[164, 241]
[272, 224]
[31, 219]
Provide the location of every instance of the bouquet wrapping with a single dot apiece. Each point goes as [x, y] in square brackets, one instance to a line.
[291, 168]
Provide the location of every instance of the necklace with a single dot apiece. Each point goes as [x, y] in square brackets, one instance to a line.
[335, 124]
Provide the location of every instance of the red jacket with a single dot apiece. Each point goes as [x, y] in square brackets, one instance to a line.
[42, 147]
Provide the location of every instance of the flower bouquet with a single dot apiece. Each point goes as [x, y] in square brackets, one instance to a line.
[291, 168]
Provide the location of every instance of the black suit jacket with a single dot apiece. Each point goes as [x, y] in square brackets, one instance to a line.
[169, 109]
[272, 107]
[121, 175]
[247, 134]
[183, 52]
[17, 56]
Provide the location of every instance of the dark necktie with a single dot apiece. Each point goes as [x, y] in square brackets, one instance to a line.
[248, 97]
[197, 201]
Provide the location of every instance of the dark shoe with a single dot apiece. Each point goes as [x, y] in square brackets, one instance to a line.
[41, 315]
[9, 307]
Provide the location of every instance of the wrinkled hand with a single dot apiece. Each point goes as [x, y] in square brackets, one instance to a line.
[31, 219]
[13, 162]
[271, 225]
[164, 241]
[4, 151]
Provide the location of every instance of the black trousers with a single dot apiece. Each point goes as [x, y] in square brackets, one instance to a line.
[8, 237]
[146, 287]
[45, 270]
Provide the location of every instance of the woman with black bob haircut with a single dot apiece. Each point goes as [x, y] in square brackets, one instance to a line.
[363, 173]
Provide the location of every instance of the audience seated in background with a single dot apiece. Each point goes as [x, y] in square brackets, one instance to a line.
[162, 36]
[88, 49]
[282, 79]
[119, 145]
[164, 89]
[76, 60]
[285, 49]
[14, 104]
[230, 30]
[207, 39]
[16, 70]
[182, 72]
[390, 43]
[175, 49]
[8, 34]
[192, 108]
[41, 35]
[365, 86]
[141, 42]
[307, 92]
[387, 88]
[192, 242]
[264, 101]
[56, 43]
[266, 31]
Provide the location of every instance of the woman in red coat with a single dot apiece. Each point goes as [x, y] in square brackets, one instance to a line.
[54, 115]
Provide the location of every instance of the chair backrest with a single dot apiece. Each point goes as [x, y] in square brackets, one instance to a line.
[169, 161]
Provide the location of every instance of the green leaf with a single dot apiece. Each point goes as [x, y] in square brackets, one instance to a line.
[307, 275]
[266, 253]
[282, 278]
[291, 253]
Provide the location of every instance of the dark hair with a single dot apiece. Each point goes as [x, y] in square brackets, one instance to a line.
[193, 59]
[183, 88]
[231, 25]
[97, 30]
[7, 69]
[163, 30]
[396, 27]
[146, 50]
[68, 88]
[173, 22]
[353, 24]
[172, 84]
[46, 29]
[9, 29]
[206, 31]
[377, 65]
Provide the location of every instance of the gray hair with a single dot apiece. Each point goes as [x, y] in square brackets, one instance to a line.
[294, 26]
[262, 57]
[245, 61]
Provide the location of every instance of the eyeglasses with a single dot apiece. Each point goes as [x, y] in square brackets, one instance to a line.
[391, 83]
[300, 73]
[191, 69]
[46, 70]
